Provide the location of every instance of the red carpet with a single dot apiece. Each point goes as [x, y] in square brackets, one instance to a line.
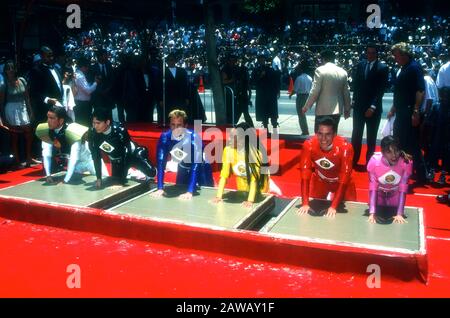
[34, 258]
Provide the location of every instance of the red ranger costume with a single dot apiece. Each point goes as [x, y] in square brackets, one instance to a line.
[327, 171]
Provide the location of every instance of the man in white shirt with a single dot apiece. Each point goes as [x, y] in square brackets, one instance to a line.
[276, 63]
[443, 77]
[429, 112]
[46, 87]
[83, 91]
[442, 142]
[302, 87]
[431, 93]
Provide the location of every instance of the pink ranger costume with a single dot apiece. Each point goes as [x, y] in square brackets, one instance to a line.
[388, 184]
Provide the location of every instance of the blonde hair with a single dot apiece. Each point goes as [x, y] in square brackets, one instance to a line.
[403, 48]
[178, 113]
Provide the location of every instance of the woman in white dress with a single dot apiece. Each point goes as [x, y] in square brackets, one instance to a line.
[15, 111]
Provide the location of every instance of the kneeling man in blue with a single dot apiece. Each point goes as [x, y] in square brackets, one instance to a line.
[186, 149]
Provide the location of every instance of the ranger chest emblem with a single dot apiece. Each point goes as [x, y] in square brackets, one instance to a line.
[239, 169]
[106, 147]
[324, 163]
[178, 155]
[391, 177]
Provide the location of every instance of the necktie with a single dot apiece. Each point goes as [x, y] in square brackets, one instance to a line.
[104, 70]
[367, 69]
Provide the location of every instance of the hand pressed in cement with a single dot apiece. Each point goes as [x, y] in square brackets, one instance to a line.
[305, 209]
[115, 187]
[331, 213]
[216, 200]
[157, 194]
[399, 219]
[247, 204]
[185, 196]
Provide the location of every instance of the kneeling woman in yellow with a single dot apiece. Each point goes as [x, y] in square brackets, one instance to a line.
[242, 158]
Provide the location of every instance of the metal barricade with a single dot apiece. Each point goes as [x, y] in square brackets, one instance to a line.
[228, 88]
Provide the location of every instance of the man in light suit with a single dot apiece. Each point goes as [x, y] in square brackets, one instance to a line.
[370, 80]
[329, 91]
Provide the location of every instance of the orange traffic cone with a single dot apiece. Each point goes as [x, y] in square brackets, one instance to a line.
[201, 87]
[291, 85]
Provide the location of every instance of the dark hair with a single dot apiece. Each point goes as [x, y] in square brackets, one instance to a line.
[45, 50]
[303, 66]
[59, 111]
[82, 61]
[373, 46]
[327, 55]
[102, 114]
[100, 52]
[327, 121]
[231, 56]
[388, 142]
[262, 54]
[172, 56]
[9, 64]
[253, 168]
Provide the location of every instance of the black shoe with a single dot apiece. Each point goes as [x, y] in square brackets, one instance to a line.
[359, 168]
[444, 198]
[420, 183]
[442, 180]
[430, 176]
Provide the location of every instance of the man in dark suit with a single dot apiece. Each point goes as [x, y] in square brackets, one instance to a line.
[46, 87]
[195, 102]
[370, 80]
[153, 71]
[409, 91]
[103, 95]
[46, 90]
[267, 84]
[129, 87]
[175, 89]
[236, 77]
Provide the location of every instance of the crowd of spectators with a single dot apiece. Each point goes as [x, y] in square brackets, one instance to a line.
[130, 72]
[292, 43]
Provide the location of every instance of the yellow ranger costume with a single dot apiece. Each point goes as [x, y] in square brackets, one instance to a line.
[233, 162]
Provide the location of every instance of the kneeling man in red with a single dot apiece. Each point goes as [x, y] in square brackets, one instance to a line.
[326, 168]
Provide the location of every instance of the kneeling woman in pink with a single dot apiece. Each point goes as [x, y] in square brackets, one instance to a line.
[389, 172]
